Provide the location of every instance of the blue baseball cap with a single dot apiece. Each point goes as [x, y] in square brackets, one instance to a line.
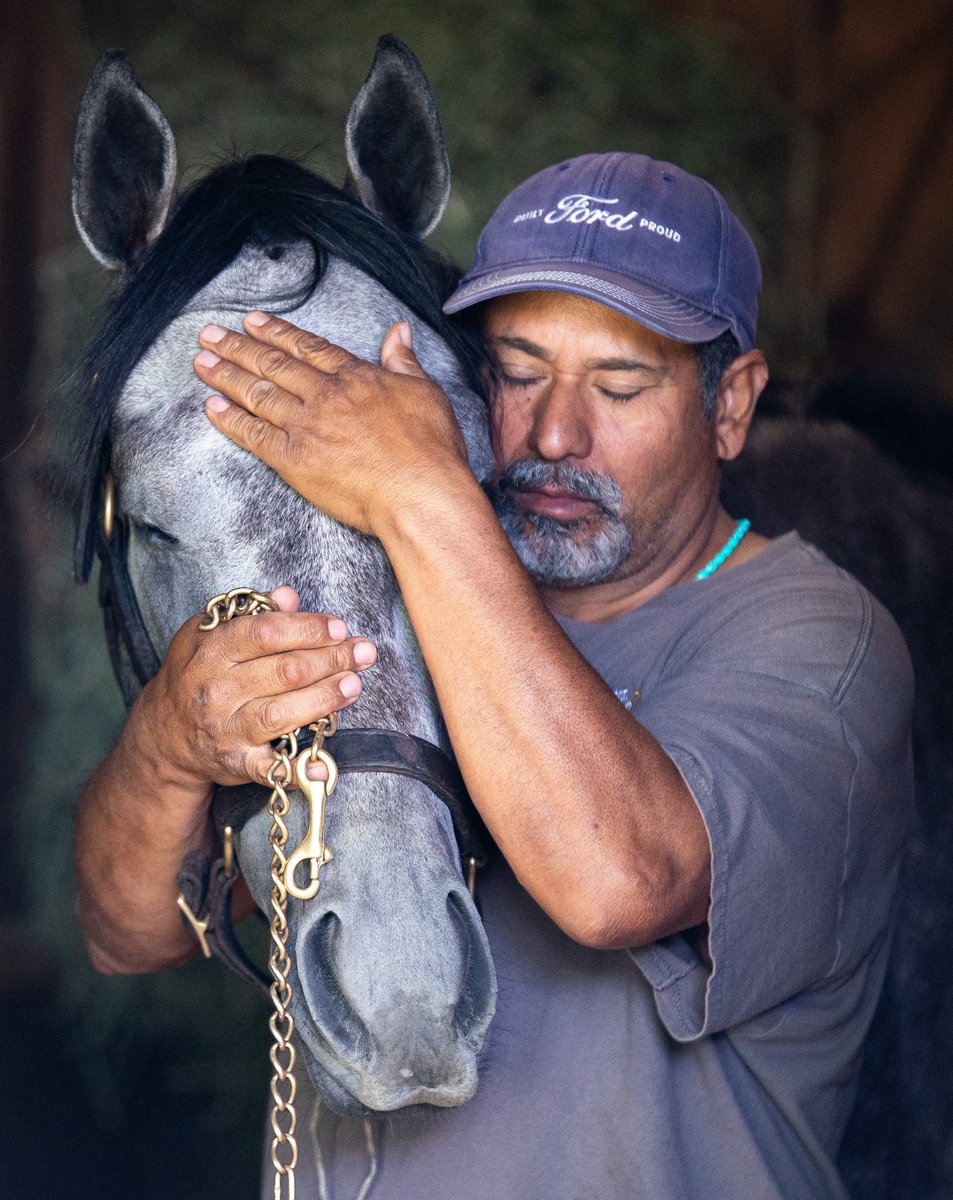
[644, 237]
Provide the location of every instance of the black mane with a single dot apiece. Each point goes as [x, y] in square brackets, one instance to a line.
[261, 200]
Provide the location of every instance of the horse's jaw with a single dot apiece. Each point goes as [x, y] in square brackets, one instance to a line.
[394, 987]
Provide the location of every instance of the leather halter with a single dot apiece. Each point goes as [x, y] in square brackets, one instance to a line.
[207, 883]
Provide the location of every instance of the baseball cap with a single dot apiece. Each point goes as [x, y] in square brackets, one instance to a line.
[646, 238]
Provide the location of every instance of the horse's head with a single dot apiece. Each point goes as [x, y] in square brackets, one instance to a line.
[394, 987]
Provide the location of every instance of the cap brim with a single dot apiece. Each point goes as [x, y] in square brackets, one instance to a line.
[671, 317]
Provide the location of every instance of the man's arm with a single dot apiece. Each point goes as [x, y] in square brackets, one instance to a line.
[585, 804]
[206, 718]
[136, 822]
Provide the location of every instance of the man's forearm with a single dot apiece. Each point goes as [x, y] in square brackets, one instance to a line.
[134, 827]
[584, 803]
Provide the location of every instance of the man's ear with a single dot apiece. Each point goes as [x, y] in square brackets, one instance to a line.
[741, 385]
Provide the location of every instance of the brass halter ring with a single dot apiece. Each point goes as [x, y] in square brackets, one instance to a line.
[109, 507]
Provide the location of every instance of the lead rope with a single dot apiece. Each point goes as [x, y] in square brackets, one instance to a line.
[281, 774]
[370, 1143]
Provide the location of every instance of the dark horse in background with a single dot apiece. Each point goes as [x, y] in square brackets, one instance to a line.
[865, 503]
[824, 478]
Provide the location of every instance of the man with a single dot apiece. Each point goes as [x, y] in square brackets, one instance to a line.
[690, 916]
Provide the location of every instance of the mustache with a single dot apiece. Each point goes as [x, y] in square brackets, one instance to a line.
[588, 485]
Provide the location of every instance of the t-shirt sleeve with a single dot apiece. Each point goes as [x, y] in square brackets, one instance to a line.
[792, 734]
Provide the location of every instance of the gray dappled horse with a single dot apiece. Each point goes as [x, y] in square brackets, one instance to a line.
[394, 988]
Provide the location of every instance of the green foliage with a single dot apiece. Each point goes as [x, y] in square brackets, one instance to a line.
[519, 85]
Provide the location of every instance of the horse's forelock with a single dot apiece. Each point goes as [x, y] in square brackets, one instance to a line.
[262, 200]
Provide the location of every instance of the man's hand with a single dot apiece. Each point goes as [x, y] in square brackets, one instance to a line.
[353, 438]
[223, 695]
[206, 718]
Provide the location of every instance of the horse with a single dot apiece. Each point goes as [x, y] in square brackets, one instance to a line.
[393, 983]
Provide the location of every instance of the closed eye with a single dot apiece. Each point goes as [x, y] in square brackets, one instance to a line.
[620, 396]
[519, 380]
[154, 534]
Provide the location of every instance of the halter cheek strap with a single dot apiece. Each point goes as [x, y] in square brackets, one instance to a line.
[206, 887]
[103, 531]
[131, 651]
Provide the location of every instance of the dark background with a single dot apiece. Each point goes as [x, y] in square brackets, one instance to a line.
[827, 124]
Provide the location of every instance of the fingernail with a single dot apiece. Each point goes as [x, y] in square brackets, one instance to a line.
[216, 404]
[256, 318]
[350, 686]
[337, 629]
[212, 333]
[316, 770]
[406, 334]
[205, 358]
[364, 653]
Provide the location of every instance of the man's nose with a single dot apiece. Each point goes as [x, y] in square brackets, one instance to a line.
[560, 427]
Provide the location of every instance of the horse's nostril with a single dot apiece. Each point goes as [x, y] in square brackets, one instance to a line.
[474, 1008]
[329, 1006]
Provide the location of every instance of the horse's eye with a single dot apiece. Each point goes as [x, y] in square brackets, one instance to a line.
[154, 534]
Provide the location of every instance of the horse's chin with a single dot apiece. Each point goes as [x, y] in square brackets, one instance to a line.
[363, 1093]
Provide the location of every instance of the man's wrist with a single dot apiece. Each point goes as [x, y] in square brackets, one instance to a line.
[147, 757]
[453, 493]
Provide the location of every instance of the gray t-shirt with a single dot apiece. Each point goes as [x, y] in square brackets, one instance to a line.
[724, 1071]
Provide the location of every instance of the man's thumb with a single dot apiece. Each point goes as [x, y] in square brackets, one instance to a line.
[397, 352]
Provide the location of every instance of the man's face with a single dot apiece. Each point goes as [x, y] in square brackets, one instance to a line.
[605, 465]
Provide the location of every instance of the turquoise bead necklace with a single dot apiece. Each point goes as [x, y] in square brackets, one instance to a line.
[726, 551]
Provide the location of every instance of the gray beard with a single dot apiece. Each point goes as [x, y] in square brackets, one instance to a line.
[563, 553]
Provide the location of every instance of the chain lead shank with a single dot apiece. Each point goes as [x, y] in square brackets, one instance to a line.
[284, 1147]
[287, 771]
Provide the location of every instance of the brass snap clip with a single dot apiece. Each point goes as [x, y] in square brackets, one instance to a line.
[312, 848]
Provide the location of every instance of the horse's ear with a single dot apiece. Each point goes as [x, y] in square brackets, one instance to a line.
[123, 166]
[396, 155]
